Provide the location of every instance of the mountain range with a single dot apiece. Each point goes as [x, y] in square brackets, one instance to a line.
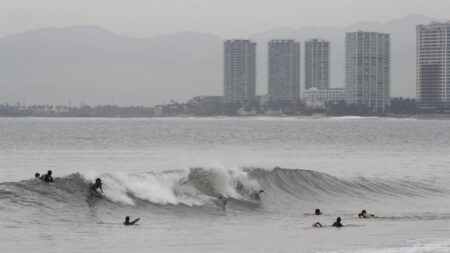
[88, 64]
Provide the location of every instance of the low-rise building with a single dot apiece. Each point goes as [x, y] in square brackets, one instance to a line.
[262, 99]
[317, 98]
[204, 105]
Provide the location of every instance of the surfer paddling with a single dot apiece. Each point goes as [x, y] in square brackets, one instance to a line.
[128, 222]
[365, 215]
[317, 225]
[337, 223]
[223, 200]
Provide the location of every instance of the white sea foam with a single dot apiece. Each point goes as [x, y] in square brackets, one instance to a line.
[174, 187]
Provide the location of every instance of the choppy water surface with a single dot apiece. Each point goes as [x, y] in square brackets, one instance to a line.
[169, 172]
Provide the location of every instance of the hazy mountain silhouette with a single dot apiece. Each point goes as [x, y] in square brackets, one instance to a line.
[92, 65]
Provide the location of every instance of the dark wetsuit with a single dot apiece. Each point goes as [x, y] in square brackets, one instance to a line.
[255, 196]
[47, 178]
[128, 222]
[337, 224]
[96, 186]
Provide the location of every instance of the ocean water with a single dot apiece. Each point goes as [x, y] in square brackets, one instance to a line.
[169, 172]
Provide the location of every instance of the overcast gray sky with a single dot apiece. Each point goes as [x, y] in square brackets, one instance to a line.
[227, 18]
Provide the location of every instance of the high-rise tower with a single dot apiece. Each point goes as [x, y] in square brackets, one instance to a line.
[317, 64]
[367, 70]
[239, 71]
[284, 70]
[433, 66]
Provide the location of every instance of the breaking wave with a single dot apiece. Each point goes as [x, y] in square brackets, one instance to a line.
[201, 186]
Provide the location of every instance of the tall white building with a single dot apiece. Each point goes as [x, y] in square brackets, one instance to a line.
[317, 64]
[239, 71]
[367, 69]
[433, 66]
[284, 70]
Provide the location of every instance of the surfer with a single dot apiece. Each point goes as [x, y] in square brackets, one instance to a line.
[128, 222]
[317, 225]
[96, 185]
[37, 175]
[338, 223]
[47, 177]
[365, 215]
[223, 200]
[317, 212]
[255, 195]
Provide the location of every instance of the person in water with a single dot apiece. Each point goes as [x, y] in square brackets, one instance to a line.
[47, 177]
[97, 185]
[223, 200]
[365, 215]
[255, 195]
[317, 225]
[128, 222]
[317, 212]
[37, 175]
[338, 223]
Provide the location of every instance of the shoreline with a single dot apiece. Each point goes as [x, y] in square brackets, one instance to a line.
[318, 116]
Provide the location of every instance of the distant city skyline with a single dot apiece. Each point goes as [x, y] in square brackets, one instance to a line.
[158, 70]
[367, 70]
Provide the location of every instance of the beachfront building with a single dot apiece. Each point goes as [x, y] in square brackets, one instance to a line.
[318, 98]
[317, 64]
[433, 66]
[239, 71]
[367, 70]
[283, 70]
[205, 105]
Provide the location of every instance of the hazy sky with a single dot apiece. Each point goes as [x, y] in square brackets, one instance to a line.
[227, 18]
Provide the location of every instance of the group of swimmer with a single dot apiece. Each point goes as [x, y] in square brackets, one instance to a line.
[338, 223]
[94, 186]
[44, 177]
[223, 200]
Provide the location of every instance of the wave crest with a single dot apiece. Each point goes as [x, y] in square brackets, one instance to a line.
[198, 186]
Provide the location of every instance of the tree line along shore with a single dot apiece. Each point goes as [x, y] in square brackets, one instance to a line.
[398, 107]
